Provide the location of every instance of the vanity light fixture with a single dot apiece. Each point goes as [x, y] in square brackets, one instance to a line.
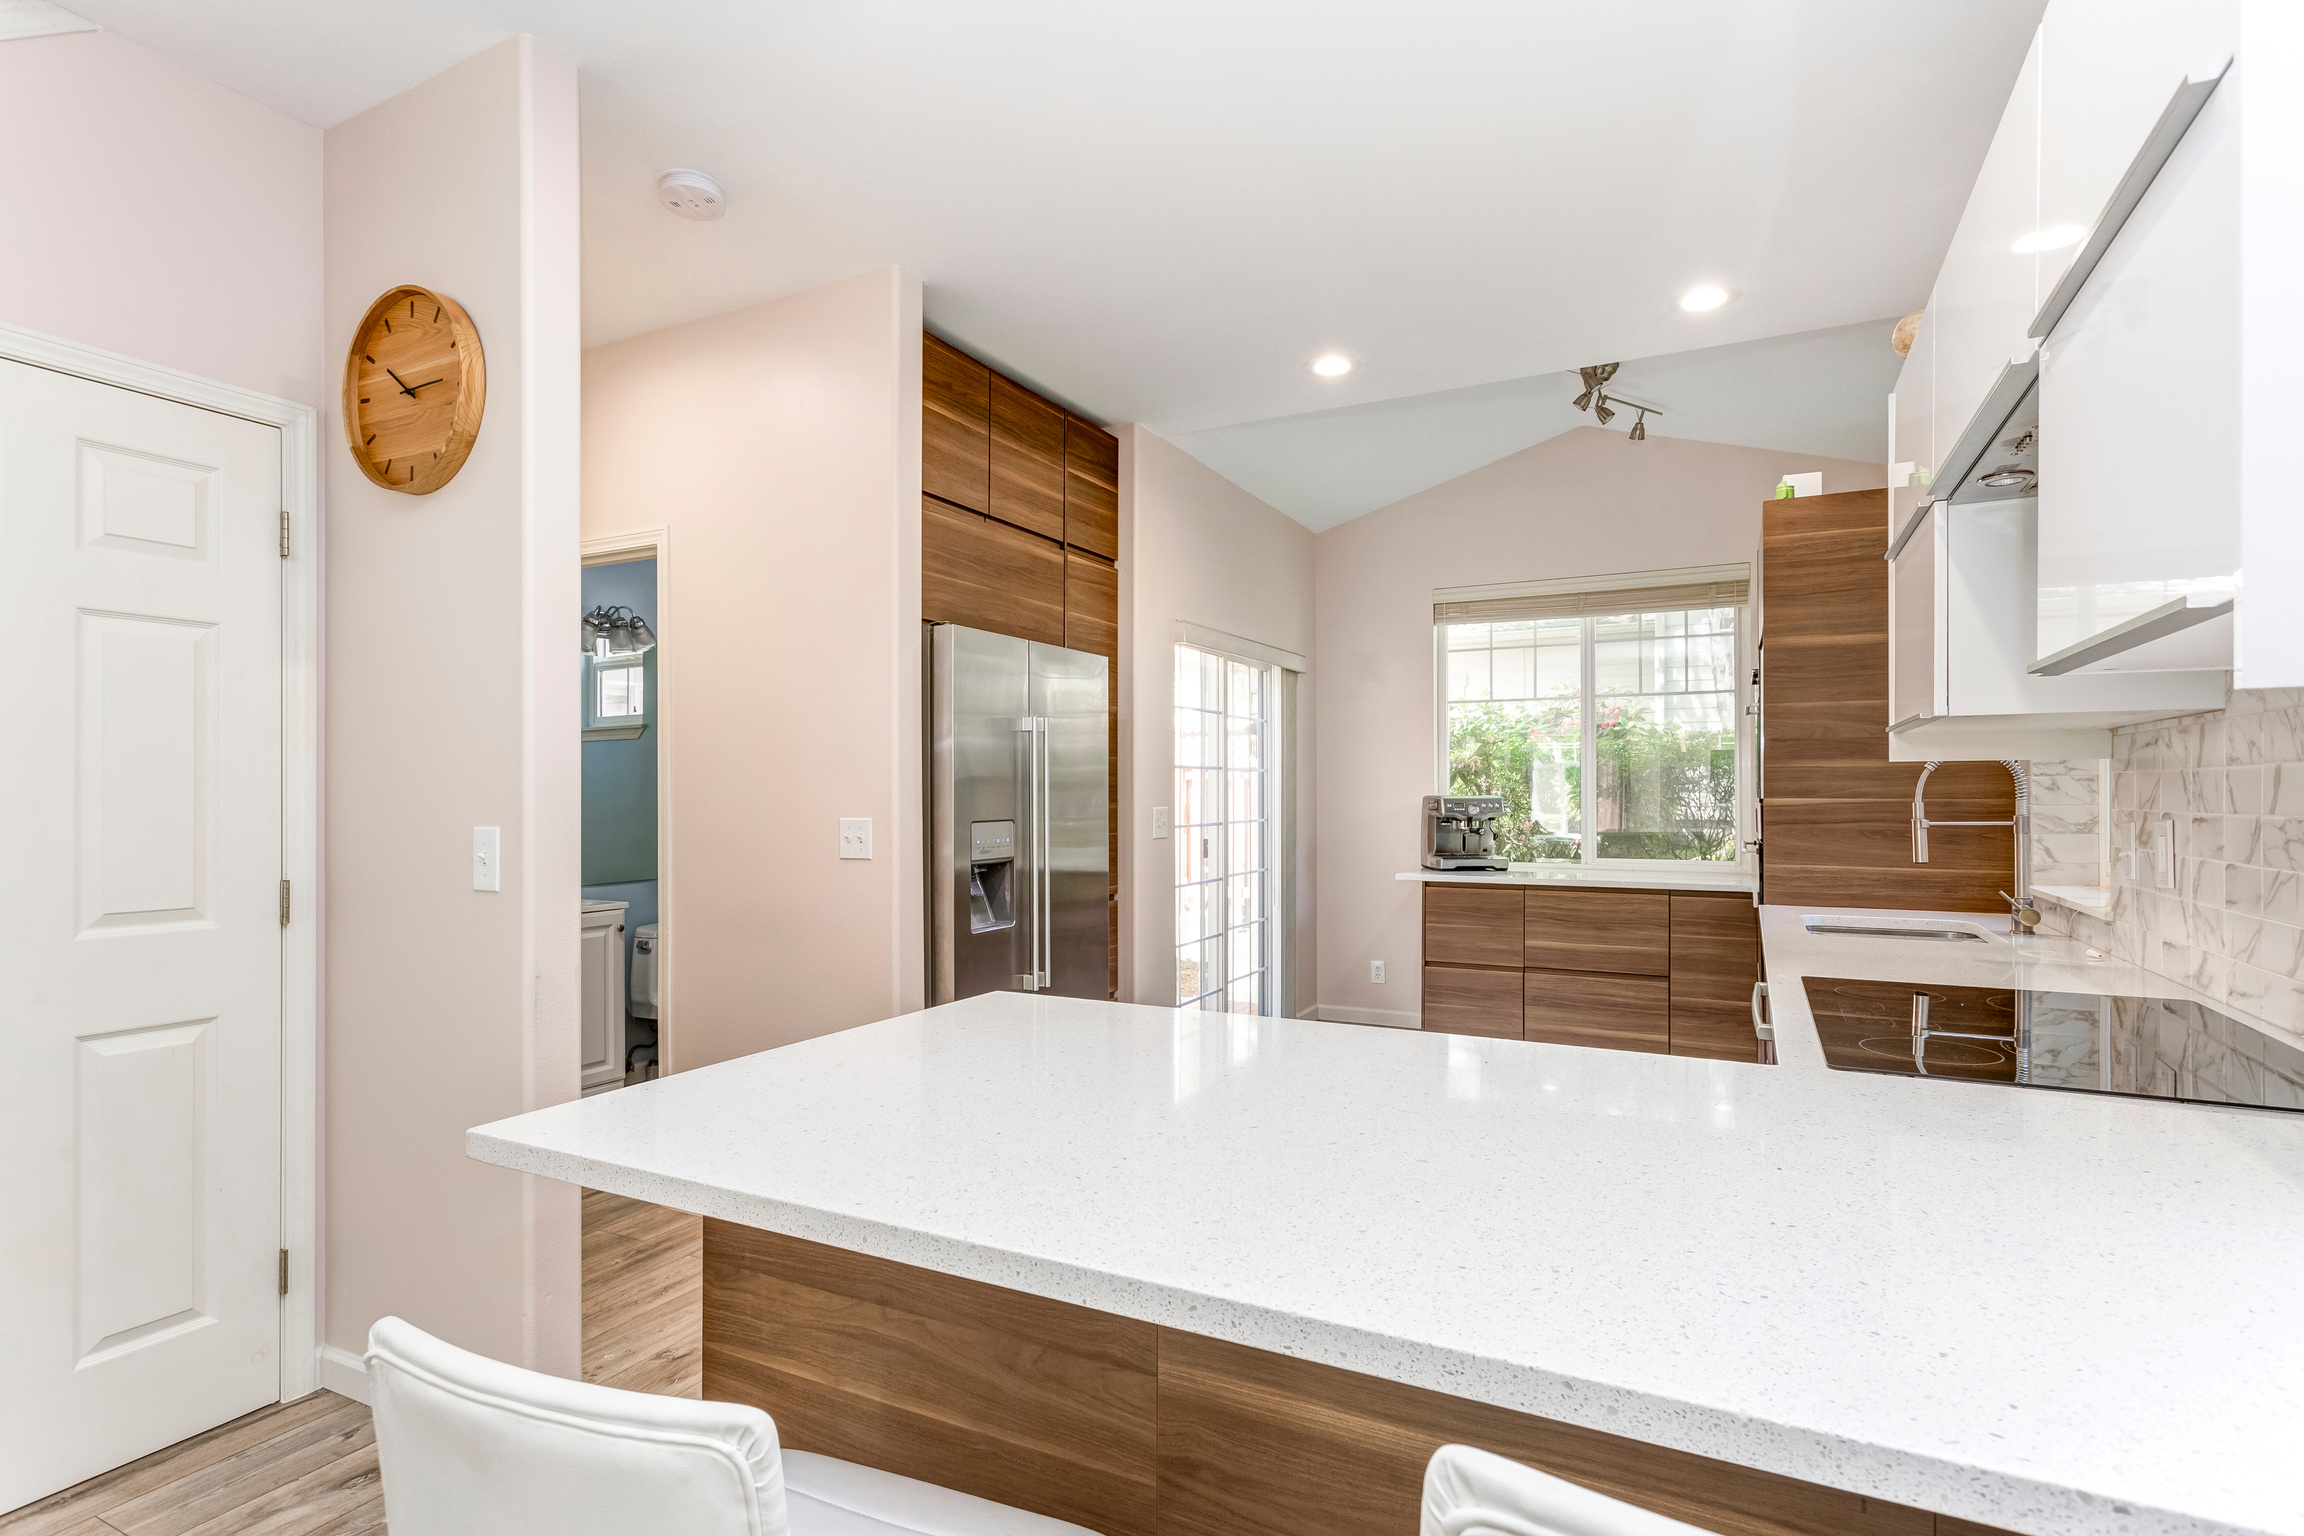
[1332, 365]
[616, 634]
[1600, 403]
[1703, 297]
[2054, 238]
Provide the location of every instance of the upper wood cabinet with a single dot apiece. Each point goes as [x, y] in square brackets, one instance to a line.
[983, 574]
[955, 426]
[1592, 930]
[1091, 606]
[1027, 460]
[1091, 489]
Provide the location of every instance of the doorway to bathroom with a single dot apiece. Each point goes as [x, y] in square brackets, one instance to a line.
[624, 1025]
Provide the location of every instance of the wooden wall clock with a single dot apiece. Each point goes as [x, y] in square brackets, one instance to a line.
[414, 386]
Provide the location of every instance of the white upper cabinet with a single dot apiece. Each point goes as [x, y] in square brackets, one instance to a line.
[2140, 400]
[1912, 425]
[1986, 293]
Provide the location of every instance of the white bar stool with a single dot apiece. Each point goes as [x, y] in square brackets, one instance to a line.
[1473, 1493]
[468, 1444]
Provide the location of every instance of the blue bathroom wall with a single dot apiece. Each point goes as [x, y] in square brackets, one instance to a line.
[620, 776]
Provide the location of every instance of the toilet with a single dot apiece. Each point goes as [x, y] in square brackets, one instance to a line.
[644, 972]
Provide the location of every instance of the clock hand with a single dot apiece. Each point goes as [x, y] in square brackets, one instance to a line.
[427, 384]
[403, 383]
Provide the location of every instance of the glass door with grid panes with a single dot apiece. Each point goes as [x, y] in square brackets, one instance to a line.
[1224, 834]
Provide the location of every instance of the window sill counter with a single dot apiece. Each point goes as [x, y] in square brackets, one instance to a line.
[1696, 877]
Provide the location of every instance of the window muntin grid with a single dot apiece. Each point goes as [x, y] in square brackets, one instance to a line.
[1221, 833]
[1662, 743]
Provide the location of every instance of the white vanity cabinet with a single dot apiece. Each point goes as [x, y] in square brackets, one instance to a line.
[600, 1020]
[2140, 440]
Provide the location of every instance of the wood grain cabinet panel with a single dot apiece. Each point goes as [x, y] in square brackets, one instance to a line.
[1091, 606]
[1595, 930]
[1459, 1000]
[1597, 1008]
[986, 575]
[1027, 460]
[1471, 925]
[955, 426]
[1091, 489]
[1258, 1444]
[1715, 961]
[1036, 1403]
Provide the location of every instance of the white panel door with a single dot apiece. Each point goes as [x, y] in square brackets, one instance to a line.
[140, 942]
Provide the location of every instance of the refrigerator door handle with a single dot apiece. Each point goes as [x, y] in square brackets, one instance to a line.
[1028, 852]
[1044, 948]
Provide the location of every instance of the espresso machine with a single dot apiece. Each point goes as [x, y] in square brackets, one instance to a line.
[1460, 832]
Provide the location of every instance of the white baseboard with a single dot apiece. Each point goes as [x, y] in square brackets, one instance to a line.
[1335, 1013]
[344, 1372]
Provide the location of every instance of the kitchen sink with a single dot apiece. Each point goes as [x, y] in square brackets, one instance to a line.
[1931, 930]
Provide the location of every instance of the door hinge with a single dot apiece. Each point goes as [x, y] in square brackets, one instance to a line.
[283, 533]
[283, 1271]
[283, 903]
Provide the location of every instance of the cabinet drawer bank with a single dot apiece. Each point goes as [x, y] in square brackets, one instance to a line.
[1133, 1429]
[1668, 971]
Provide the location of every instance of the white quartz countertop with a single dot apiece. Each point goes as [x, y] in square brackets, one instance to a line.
[1689, 876]
[2055, 1313]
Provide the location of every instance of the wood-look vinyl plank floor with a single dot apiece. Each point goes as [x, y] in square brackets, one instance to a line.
[308, 1468]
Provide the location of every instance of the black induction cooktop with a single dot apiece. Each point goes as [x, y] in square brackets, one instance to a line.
[2084, 1042]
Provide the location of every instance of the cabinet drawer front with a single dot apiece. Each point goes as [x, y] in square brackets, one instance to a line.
[1715, 949]
[1468, 1002]
[1717, 1031]
[1586, 930]
[1617, 1013]
[1471, 925]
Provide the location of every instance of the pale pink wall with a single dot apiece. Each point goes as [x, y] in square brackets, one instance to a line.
[156, 214]
[1585, 503]
[778, 447]
[452, 703]
[1197, 549]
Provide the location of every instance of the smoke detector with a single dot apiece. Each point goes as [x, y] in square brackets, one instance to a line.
[691, 194]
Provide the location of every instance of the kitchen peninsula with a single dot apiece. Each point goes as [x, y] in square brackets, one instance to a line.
[1162, 1271]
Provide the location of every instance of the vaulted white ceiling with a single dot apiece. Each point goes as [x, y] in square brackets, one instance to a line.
[1161, 213]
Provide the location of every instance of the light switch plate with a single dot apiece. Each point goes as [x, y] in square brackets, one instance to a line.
[1159, 821]
[487, 859]
[855, 837]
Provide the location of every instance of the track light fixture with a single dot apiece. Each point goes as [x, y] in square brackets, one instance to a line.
[1597, 400]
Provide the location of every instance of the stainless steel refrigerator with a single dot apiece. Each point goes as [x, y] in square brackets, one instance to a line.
[1018, 862]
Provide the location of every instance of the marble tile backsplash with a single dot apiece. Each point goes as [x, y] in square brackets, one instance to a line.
[2227, 790]
[2067, 839]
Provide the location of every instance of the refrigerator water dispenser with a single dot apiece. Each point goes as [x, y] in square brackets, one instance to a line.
[991, 863]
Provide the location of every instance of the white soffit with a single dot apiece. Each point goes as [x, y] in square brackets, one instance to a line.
[38, 18]
[1822, 393]
[1163, 215]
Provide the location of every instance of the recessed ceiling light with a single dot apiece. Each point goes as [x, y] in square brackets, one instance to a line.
[1332, 365]
[2054, 238]
[1697, 300]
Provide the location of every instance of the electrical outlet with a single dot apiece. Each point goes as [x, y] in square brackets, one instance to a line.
[487, 859]
[855, 837]
[1159, 822]
[1375, 970]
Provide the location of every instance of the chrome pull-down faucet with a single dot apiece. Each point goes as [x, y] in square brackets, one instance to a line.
[2020, 907]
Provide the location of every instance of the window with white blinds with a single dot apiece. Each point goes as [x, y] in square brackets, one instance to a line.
[1606, 712]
